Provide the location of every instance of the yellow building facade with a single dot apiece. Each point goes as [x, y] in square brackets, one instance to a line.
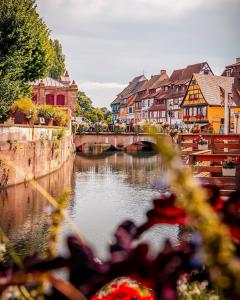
[204, 100]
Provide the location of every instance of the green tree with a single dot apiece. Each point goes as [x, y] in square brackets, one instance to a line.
[26, 52]
[87, 110]
[84, 102]
[58, 67]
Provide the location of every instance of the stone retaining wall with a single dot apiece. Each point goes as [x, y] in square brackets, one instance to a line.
[31, 152]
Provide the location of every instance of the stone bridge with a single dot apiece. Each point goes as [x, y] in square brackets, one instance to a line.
[116, 140]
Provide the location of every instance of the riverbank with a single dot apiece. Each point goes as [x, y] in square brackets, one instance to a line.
[31, 152]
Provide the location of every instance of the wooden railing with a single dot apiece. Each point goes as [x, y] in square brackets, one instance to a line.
[217, 143]
[220, 147]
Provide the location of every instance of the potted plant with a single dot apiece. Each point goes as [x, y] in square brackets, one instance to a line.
[47, 112]
[202, 143]
[123, 127]
[60, 117]
[229, 167]
[24, 111]
[116, 128]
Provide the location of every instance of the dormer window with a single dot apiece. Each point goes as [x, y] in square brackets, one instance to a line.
[166, 88]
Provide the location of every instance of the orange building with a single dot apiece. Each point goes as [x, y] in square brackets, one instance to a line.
[60, 92]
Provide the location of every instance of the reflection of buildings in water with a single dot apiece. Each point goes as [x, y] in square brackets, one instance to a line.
[140, 169]
[24, 213]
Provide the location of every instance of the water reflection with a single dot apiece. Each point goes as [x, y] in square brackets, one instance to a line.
[113, 188]
[24, 212]
[106, 190]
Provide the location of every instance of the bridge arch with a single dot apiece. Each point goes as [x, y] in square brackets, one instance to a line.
[120, 141]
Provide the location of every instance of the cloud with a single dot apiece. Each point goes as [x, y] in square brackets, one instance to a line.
[108, 42]
[101, 85]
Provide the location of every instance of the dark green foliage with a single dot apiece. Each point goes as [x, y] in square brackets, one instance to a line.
[25, 53]
[58, 67]
[86, 109]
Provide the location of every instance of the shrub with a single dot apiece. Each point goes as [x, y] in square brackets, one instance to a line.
[59, 134]
[46, 111]
[60, 117]
[24, 106]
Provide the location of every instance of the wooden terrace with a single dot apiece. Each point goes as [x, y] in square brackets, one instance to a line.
[207, 164]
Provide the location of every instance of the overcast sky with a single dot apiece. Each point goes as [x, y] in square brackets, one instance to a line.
[108, 42]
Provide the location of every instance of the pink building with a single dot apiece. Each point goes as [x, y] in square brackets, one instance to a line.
[61, 92]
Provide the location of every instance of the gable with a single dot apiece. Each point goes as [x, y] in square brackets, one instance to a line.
[214, 88]
[206, 69]
[194, 95]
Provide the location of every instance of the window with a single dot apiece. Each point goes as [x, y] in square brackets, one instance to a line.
[166, 88]
[50, 99]
[60, 100]
[34, 98]
[175, 102]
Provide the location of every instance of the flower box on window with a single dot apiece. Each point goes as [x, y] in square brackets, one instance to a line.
[229, 172]
[229, 167]
[202, 143]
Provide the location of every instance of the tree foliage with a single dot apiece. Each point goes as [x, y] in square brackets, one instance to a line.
[88, 111]
[26, 52]
[58, 67]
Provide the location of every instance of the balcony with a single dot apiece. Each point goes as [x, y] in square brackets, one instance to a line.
[195, 119]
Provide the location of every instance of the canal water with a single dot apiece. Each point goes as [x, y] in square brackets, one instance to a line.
[106, 190]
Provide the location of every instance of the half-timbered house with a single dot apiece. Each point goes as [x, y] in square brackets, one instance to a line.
[203, 102]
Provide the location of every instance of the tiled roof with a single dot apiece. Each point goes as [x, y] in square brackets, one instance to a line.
[211, 87]
[234, 65]
[131, 99]
[129, 89]
[189, 70]
[180, 77]
[175, 76]
[157, 107]
[139, 86]
[155, 82]
[161, 95]
[183, 76]
[48, 81]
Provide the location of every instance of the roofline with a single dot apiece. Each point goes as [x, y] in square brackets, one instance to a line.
[200, 90]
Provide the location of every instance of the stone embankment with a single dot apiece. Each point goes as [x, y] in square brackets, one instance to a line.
[30, 152]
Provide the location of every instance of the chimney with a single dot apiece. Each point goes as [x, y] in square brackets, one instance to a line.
[238, 60]
[162, 72]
